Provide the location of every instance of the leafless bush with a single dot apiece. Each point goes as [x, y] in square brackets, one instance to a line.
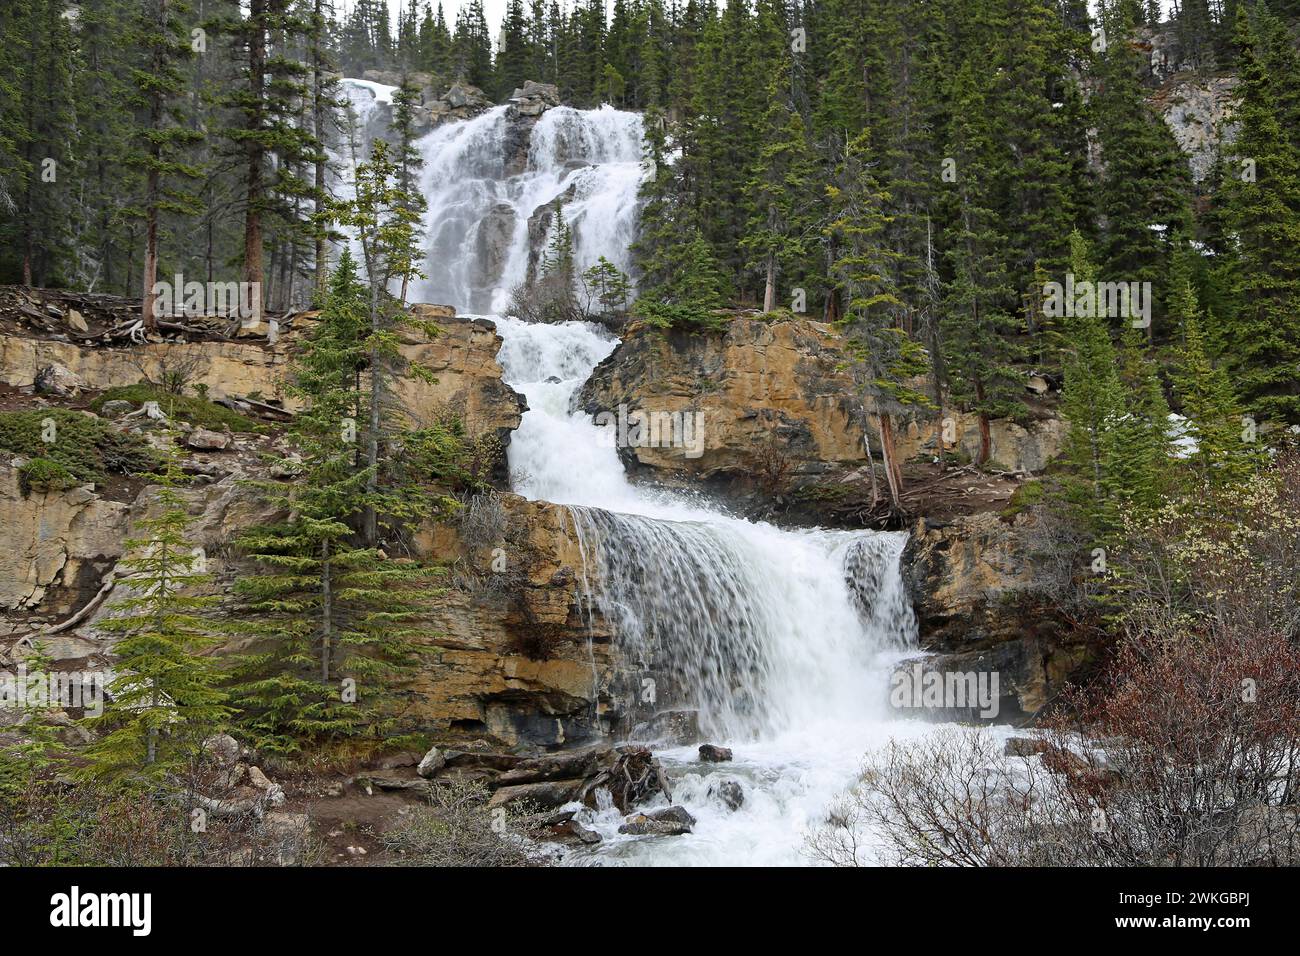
[772, 464]
[1062, 554]
[458, 829]
[949, 799]
[170, 369]
[482, 521]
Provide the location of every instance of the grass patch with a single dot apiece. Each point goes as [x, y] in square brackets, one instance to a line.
[1027, 495]
[83, 447]
[41, 474]
[188, 408]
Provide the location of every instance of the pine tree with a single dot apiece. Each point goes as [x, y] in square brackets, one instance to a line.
[978, 327]
[1213, 415]
[1092, 402]
[1262, 337]
[885, 357]
[1144, 194]
[780, 193]
[1138, 448]
[336, 620]
[162, 136]
[166, 698]
[386, 222]
[40, 129]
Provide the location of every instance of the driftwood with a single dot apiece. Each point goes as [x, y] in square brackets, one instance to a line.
[635, 777]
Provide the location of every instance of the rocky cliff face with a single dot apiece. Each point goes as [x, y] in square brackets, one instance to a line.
[970, 581]
[780, 413]
[513, 656]
[772, 395]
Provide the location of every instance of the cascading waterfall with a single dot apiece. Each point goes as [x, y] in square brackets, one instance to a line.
[485, 189]
[780, 639]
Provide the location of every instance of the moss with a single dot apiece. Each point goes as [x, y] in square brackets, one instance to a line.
[1024, 497]
[41, 474]
[85, 447]
[194, 409]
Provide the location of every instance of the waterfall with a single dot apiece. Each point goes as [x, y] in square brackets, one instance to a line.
[761, 629]
[781, 640]
[491, 182]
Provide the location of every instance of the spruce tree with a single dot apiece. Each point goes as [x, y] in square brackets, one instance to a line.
[334, 620]
[1213, 415]
[1092, 402]
[165, 696]
[979, 329]
[1262, 195]
[162, 136]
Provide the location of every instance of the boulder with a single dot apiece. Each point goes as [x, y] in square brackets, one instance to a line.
[431, 763]
[672, 815]
[710, 753]
[727, 791]
[223, 750]
[59, 381]
[203, 439]
[642, 825]
[466, 96]
[74, 320]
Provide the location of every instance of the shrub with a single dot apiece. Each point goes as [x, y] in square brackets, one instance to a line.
[86, 448]
[457, 829]
[41, 474]
[195, 409]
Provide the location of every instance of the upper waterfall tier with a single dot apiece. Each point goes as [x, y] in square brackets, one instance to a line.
[493, 184]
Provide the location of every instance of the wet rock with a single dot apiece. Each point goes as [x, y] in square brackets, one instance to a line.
[203, 439]
[711, 753]
[672, 815]
[670, 727]
[584, 834]
[642, 825]
[729, 792]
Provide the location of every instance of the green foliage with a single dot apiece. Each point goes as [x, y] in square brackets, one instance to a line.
[86, 448]
[194, 409]
[41, 474]
[334, 623]
[165, 698]
[1261, 336]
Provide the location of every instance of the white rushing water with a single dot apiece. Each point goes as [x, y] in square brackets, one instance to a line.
[480, 204]
[782, 639]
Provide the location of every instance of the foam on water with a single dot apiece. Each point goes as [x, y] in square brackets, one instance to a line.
[783, 639]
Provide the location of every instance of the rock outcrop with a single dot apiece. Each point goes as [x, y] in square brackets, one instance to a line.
[58, 544]
[970, 581]
[777, 412]
[771, 397]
